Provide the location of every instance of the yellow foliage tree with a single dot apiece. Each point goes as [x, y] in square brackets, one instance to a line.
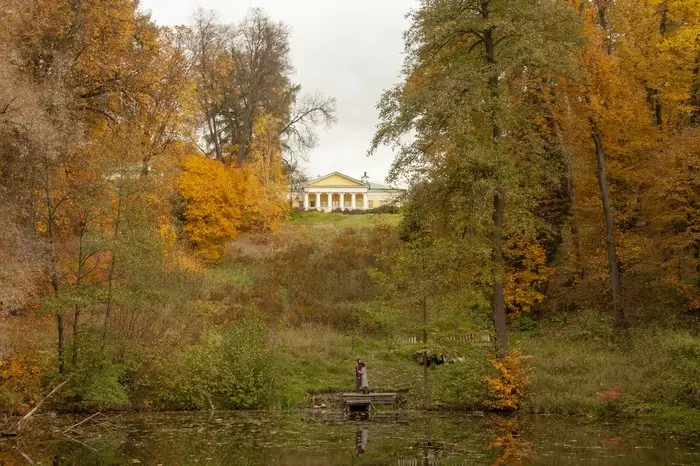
[672, 202]
[212, 195]
[508, 387]
[659, 50]
[264, 178]
[526, 271]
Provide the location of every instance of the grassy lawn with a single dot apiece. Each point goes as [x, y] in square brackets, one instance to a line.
[229, 272]
[575, 360]
[343, 220]
[318, 360]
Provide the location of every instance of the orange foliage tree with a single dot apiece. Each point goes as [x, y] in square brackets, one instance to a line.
[526, 274]
[508, 386]
[265, 182]
[213, 197]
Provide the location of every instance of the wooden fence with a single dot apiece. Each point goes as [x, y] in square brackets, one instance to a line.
[476, 338]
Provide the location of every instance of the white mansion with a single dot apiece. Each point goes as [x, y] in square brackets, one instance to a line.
[338, 191]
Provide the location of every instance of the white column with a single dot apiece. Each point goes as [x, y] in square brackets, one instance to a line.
[306, 201]
[364, 201]
[329, 196]
[341, 200]
[353, 200]
[318, 201]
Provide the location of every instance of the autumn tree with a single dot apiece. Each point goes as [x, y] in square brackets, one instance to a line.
[464, 96]
[243, 75]
[658, 48]
[212, 198]
[91, 76]
[672, 204]
[630, 94]
[265, 178]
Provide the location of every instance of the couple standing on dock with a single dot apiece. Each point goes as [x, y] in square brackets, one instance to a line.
[361, 377]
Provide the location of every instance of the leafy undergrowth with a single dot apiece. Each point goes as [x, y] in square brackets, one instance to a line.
[574, 365]
[577, 368]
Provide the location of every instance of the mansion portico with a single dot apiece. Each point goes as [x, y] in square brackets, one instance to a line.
[339, 191]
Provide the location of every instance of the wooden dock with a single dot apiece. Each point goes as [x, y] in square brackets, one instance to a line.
[364, 402]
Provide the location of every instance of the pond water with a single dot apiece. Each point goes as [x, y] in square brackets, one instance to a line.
[329, 438]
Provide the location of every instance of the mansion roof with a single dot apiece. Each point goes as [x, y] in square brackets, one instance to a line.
[340, 180]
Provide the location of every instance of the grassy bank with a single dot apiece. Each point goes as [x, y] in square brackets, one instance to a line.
[575, 366]
[343, 220]
[570, 370]
[572, 361]
[578, 368]
[283, 317]
[317, 361]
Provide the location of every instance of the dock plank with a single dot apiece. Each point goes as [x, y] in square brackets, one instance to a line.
[367, 400]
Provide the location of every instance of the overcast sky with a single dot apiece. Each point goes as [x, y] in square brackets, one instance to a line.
[350, 50]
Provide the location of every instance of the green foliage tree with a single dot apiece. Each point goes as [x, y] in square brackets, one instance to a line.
[417, 275]
[471, 69]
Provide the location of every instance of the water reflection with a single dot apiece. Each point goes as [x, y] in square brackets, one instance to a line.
[361, 441]
[507, 441]
[329, 438]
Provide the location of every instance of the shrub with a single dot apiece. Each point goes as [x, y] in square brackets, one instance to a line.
[683, 351]
[229, 369]
[508, 387]
[385, 209]
[103, 390]
[524, 323]
[98, 382]
[20, 382]
[610, 403]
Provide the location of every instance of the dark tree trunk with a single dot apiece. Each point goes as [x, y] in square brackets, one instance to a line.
[571, 195]
[498, 299]
[575, 237]
[53, 264]
[78, 283]
[613, 265]
[426, 388]
[654, 93]
[112, 265]
[61, 343]
[695, 91]
[214, 131]
[658, 113]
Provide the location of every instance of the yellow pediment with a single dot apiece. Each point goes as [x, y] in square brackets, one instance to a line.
[336, 179]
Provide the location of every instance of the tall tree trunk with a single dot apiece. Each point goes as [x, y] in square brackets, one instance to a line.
[76, 308]
[654, 93]
[53, 262]
[695, 90]
[613, 265]
[113, 262]
[426, 388]
[571, 194]
[498, 299]
[575, 237]
[61, 343]
[655, 103]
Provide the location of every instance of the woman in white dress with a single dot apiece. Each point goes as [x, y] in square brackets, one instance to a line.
[363, 378]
